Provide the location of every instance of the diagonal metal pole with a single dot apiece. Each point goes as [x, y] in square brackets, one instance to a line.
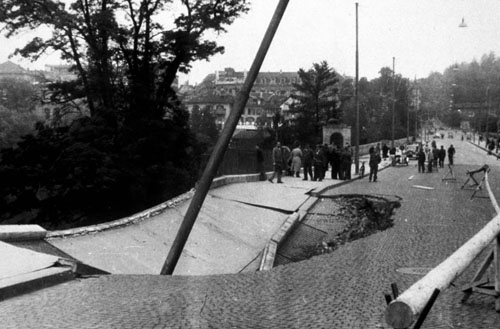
[222, 144]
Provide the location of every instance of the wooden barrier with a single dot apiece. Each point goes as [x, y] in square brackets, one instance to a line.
[405, 309]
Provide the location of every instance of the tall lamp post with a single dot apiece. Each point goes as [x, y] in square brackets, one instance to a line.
[393, 98]
[356, 98]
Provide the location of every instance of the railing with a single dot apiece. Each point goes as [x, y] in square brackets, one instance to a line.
[241, 162]
[407, 307]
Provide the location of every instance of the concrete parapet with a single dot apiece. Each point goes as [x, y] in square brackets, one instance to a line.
[124, 221]
[231, 179]
[29, 282]
[22, 232]
[219, 181]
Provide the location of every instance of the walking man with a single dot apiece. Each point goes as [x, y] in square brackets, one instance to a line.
[421, 160]
[278, 163]
[374, 161]
[451, 154]
[307, 153]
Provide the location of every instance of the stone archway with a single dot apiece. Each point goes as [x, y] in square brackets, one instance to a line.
[340, 135]
[337, 139]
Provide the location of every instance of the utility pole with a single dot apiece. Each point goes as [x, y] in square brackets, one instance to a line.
[417, 100]
[393, 98]
[221, 145]
[407, 116]
[356, 98]
[488, 112]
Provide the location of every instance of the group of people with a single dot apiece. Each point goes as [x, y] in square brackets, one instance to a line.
[315, 162]
[435, 157]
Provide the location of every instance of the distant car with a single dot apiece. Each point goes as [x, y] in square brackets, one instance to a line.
[411, 151]
[450, 135]
[436, 135]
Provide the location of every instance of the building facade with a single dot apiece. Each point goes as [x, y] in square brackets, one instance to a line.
[219, 91]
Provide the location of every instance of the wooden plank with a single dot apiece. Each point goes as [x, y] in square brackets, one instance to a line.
[486, 291]
[423, 187]
[473, 284]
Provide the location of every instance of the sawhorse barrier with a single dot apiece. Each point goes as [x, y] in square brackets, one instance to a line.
[449, 173]
[475, 183]
[477, 284]
[417, 300]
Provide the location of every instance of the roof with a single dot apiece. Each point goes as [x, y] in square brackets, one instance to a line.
[9, 67]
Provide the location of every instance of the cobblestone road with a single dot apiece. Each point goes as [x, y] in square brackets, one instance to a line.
[343, 289]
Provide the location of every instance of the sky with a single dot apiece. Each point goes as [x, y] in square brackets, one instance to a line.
[422, 35]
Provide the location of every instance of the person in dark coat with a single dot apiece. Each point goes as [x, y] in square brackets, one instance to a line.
[279, 163]
[451, 154]
[347, 162]
[435, 157]
[319, 162]
[385, 150]
[421, 160]
[441, 156]
[491, 146]
[335, 161]
[307, 153]
[374, 161]
[392, 154]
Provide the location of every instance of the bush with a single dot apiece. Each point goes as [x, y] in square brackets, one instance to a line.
[89, 172]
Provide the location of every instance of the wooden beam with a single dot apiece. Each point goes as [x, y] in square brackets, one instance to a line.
[403, 311]
[486, 291]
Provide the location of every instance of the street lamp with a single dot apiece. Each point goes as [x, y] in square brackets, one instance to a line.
[462, 24]
[356, 98]
[393, 98]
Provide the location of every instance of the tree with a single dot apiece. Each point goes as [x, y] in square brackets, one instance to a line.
[110, 42]
[202, 123]
[18, 100]
[135, 148]
[316, 94]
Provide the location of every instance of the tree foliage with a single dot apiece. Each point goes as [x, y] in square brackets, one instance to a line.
[135, 147]
[316, 96]
[18, 101]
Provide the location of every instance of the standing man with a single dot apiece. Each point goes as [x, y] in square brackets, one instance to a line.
[347, 162]
[442, 156]
[421, 159]
[307, 153]
[278, 163]
[319, 162]
[435, 156]
[296, 157]
[430, 160]
[374, 161]
[451, 153]
[385, 150]
[335, 162]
